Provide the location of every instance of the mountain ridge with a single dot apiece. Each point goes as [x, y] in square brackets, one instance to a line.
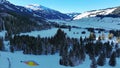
[108, 12]
[47, 13]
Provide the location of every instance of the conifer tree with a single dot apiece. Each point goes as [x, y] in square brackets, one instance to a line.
[112, 61]
[118, 52]
[92, 36]
[94, 63]
[1, 44]
[101, 60]
[12, 49]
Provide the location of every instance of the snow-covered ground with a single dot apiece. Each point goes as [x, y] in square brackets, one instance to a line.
[43, 33]
[105, 23]
[6, 43]
[2, 34]
[50, 61]
[74, 33]
[96, 22]
[95, 13]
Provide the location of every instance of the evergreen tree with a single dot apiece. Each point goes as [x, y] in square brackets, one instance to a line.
[98, 48]
[53, 50]
[94, 63]
[101, 60]
[92, 36]
[118, 52]
[110, 35]
[108, 49]
[64, 61]
[1, 44]
[60, 35]
[69, 27]
[112, 61]
[11, 49]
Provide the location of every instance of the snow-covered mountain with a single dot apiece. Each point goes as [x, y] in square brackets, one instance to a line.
[24, 20]
[6, 6]
[73, 14]
[94, 13]
[32, 10]
[45, 12]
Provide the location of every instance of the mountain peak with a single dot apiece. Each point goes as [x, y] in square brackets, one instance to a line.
[35, 7]
[46, 12]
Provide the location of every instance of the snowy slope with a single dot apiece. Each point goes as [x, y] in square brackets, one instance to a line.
[34, 7]
[45, 12]
[72, 15]
[50, 61]
[96, 22]
[7, 7]
[95, 13]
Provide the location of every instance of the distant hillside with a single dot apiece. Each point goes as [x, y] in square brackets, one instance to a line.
[108, 12]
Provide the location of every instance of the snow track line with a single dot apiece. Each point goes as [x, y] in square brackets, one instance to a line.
[9, 63]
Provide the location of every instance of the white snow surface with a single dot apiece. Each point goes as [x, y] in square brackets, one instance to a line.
[107, 23]
[6, 45]
[2, 34]
[94, 13]
[74, 33]
[8, 7]
[34, 7]
[43, 33]
[50, 61]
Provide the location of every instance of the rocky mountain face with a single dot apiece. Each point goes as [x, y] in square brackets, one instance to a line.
[41, 11]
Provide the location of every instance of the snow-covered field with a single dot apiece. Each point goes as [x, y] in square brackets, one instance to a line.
[107, 23]
[74, 33]
[43, 33]
[50, 61]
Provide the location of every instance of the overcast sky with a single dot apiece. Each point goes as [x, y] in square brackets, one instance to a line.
[67, 6]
